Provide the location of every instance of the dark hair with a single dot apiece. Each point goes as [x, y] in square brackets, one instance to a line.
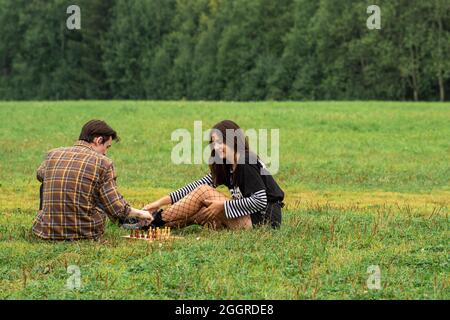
[219, 169]
[97, 128]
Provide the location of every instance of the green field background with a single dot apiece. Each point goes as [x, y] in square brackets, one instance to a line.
[367, 183]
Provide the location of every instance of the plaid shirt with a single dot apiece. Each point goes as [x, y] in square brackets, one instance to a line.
[79, 192]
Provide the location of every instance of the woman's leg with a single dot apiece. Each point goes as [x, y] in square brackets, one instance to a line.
[190, 210]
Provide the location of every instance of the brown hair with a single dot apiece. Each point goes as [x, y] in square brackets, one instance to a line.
[219, 169]
[97, 128]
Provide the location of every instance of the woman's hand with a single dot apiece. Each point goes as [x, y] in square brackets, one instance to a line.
[153, 206]
[214, 208]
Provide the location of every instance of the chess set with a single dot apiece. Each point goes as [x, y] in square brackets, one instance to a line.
[152, 234]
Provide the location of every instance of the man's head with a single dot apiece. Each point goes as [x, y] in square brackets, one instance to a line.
[99, 135]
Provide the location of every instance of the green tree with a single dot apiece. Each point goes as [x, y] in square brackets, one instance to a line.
[298, 72]
[438, 44]
[206, 82]
[137, 29]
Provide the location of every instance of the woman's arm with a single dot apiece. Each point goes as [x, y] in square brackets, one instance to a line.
[184, 191]
[254, 193]
[179, 193]
[155, 205]
[241, 207]
[238, 207]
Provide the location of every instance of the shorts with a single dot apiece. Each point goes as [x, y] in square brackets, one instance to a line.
[271, 216]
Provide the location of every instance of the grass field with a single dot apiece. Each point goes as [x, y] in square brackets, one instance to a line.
[367, 183]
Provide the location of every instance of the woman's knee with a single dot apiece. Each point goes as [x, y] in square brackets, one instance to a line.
[203, 190]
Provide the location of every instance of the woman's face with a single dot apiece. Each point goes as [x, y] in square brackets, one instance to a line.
[221, 149]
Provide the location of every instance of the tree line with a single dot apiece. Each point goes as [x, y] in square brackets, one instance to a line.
[225, 50]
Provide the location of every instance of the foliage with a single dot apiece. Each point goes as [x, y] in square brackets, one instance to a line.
[225, 50]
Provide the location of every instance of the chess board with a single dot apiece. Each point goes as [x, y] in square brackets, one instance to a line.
[152, 234]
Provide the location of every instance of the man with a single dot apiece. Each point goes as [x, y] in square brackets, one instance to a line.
[79, 188]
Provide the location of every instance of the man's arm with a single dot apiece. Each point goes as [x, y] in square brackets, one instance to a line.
[41, 170]
[113, 202]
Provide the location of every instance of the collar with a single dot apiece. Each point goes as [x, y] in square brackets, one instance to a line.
[82, 143]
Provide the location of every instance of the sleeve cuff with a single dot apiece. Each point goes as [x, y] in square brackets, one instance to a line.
[226, 206]
[172, 198]
[127, 210]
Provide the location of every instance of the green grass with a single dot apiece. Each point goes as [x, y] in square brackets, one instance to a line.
[367, 183]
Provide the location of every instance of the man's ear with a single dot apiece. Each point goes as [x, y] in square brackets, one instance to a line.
[98, 140]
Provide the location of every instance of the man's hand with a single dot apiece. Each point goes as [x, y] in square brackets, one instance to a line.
[141, 214]
[145, 215]
[213, 208]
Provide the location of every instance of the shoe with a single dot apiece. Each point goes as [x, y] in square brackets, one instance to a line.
[140, 225]
[128, 223]
[157, 219]
[128, 220]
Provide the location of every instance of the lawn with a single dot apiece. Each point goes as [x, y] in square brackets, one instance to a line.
[367, 184]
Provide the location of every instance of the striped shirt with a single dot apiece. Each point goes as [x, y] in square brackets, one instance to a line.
[79, 193]
[237, 207]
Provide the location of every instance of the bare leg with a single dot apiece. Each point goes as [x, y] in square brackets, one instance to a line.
[190, 209]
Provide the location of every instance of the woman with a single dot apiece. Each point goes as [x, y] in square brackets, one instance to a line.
[256, 197]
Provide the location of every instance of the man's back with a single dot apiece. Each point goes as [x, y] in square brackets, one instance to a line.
[79, 191]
